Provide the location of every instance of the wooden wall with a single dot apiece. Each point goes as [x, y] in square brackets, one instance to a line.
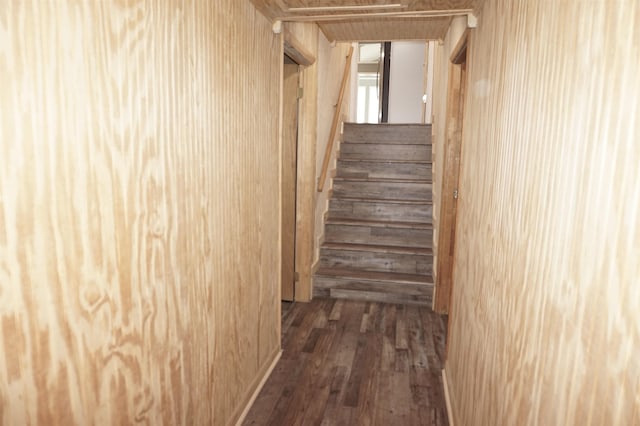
[139, 227]
[331, 62]
[440, 87]
[545, 326]
[307, 36]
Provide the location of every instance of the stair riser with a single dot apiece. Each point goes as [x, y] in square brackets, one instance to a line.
[418, 134]
[380, 297]
[401, 237]
[372, 290]
[374, 261]
[382, 190]
[385, 152]
[349, 209]
[363, 169]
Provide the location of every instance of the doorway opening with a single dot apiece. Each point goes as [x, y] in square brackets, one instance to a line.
[392, 82]
[370, 70]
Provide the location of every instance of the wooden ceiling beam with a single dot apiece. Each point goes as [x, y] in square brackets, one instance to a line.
[329, 10]
[296, 50]
[352, 16]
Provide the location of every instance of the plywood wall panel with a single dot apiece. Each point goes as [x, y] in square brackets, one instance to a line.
[440, 88]
[139, 266]
[331, 65]
[307, 34]
[545, 325]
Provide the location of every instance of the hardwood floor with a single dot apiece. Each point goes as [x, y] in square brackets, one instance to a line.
[350, 362]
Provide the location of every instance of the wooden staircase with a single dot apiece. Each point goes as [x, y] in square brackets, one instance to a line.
[378, 231]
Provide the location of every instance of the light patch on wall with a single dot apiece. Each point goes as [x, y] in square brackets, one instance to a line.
[482, 88]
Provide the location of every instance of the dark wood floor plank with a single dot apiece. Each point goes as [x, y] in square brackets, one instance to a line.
[336, 393]
[402, 339]
[363, 364]
[402, 361]
[369, 385]
[300, 329]
[266, 403]
[393, 404]
[312, 387]
[285, 382]
[356, 363]
[386, 326]
[417, 342]
[336, 311]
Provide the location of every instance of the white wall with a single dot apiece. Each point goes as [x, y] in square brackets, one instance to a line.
[430, 60]
[353, 87]
[406, 82]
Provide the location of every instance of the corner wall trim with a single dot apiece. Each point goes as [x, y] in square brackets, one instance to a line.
[259, 387]
[447, 397]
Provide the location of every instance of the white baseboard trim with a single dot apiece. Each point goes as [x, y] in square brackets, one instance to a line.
[447, 397]
[259, 387]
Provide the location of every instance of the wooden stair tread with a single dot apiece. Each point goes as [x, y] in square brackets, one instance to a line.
[395, 277]
[379, 125]
[385, 161]
[392, 141]
[354, 142]
[379, 223]
[379, 179]
[408, 289]
[378, 230]
[389, 297]
[378, 248]
[389, 133]
[385, 151]
[383, 200]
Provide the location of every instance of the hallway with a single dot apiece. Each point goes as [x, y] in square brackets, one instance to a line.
[356, 363]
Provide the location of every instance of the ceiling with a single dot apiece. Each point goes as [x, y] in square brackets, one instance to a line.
[371, 20]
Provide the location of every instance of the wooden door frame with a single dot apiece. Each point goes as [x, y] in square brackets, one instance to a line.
[450, 179]
[288, 176]
[305, 173]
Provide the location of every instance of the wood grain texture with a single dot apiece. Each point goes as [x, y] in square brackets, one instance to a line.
[331, 63]
[307, 35]
[382, 190]
[289, 176]
[545, 327]
[440, 96]
[450, 179]
[385, 29]
[382, 169]
[388, 133]
[416, 211]
[139, 227]
[296, 50]
[356, 363]
[391, 152]
[291, 9]
[329, 153]
[357, 246]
